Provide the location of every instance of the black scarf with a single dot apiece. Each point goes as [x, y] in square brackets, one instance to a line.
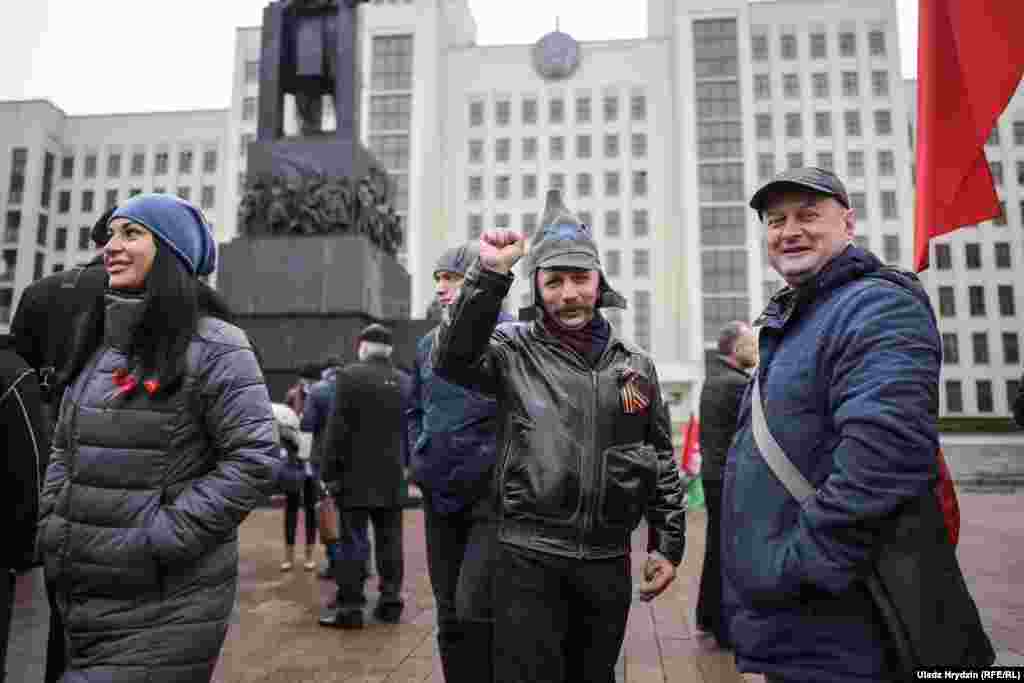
[589, 341]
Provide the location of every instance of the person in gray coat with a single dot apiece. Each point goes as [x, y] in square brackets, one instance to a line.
[164, 443]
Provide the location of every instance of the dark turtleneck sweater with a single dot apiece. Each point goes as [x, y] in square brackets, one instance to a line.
[588, 341]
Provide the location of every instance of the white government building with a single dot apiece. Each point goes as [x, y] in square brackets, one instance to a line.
[658, 142]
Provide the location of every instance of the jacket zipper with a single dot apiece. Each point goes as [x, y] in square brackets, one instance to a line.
[589, 500]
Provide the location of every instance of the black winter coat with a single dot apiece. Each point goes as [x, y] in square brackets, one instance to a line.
[720, 399]
[22, 434]
[363, 453]
[576, 469]
[142, 503]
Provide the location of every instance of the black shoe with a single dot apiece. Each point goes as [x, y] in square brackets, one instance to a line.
[342, 618]
[389, 614]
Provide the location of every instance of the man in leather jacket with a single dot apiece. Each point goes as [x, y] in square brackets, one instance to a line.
[584, 448]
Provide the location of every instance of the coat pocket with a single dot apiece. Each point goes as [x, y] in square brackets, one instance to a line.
[630, 473]
[541, 474]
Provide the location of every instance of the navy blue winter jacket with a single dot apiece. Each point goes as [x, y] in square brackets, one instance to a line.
[452, 434]
[849, 374]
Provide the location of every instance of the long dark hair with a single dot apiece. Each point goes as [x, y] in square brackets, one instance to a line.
[175, 300]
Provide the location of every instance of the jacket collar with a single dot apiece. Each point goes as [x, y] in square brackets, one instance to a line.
[121, 317]
[726, 364]
[850, 264]
[614, 340]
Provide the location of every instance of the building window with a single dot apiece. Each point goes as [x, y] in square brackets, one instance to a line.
[252, 71]
[1011, 348]
[891, 248]
[529, 111]
[639, 183]
[1012, 389]
[583, 109]
[880, 83]
[84, 236]
[950, 348]
[979, 343]
[114, 166]
[42, 230]
[583, 147]
[976, 297]
[886, 163]
[529, 224]
[391, 62]
[584, 184]
[391, 150]
[819, 85]
[720, 182]
[134, 191]
[185, 162]
[501, 220]
[890, 208]
[787, 46]
[88, 198]
[556, 110]
[502, 186]
[1002, 250]
[475, 190]
[611, 146]
[161, 163]
[138, 163]
[954, 396]
[1018, 133]
[851, 122]
[185, 192]
[762, 87]
[610, 104]
[719, 139]
[207, 197]
[612, 263]
[60, 239]
[12, 226]
[91, 164]
[641, 263]
[972, 252]
[64, 201]
[759, 47]
[556, 181]
[943, 257]
[826, 161]
[476, 151]
[390, 112]
[851, 84]
[529, 186]
[529, 149]
[984, 389]
[611, 183]
[847, 44]
[556, 148]
[996, 169]
[724, 271]
[794, 125]
[40, 266]
[642, 319]
[612, 223]
[476, 114]
[993, 136]
[503, 112]
[819, 48]
[791, 86]
[947, 302]
[883, 122]
[859, 204]
[248, 108]
[638, 107]
[210, 161]
[639, 144]
[474, 226]
[111, 199]
[765, 166]
[160, 189]
[502, 150]
[763, 126]
[876, 43]
[1000, 218]
[67, 167]
[823, 124]
[641, 223]
[1007, 305]
[723, 226]
[795, 160]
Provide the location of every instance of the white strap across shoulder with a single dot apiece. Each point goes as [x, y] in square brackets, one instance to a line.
[783, 468]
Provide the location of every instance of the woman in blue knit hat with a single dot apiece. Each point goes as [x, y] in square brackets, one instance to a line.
[164, 444]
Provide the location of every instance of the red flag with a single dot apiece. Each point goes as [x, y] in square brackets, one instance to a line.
[689, 463]
[970, 58]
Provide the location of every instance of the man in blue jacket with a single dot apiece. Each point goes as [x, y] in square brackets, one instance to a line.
[453, 442]
[849, 372]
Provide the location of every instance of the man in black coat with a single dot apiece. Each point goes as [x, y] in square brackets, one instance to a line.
[363, 470]
[719, 410]
[43, 327]
[21, 432]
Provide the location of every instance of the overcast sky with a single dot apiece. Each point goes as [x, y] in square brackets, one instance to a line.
[98, 56]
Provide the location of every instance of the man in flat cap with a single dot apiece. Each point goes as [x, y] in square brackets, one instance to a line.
[585, 452]
[849, 372]
[363, 464]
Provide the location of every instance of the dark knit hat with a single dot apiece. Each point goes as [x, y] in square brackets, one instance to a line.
[458, 259]
[177, 224]
[563, 241]
[377, 334]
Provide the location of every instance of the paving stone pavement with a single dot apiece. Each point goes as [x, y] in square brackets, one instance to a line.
[275, 638]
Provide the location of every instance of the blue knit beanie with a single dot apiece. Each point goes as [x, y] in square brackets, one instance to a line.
[178, 225]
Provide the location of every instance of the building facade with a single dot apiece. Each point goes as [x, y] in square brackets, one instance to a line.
[656, 142]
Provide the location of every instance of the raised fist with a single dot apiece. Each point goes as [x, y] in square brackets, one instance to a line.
[500, 249]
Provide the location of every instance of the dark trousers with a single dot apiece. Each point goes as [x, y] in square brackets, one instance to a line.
[56, 652]
[709, 599]
[7, 583]
[558, 619]
[461, 554]
[306, 495]
[354, 551]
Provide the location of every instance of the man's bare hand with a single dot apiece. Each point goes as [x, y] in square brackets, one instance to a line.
[658, 574]
[500, 249]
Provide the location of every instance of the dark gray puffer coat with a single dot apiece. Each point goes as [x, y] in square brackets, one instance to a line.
[141, 506]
